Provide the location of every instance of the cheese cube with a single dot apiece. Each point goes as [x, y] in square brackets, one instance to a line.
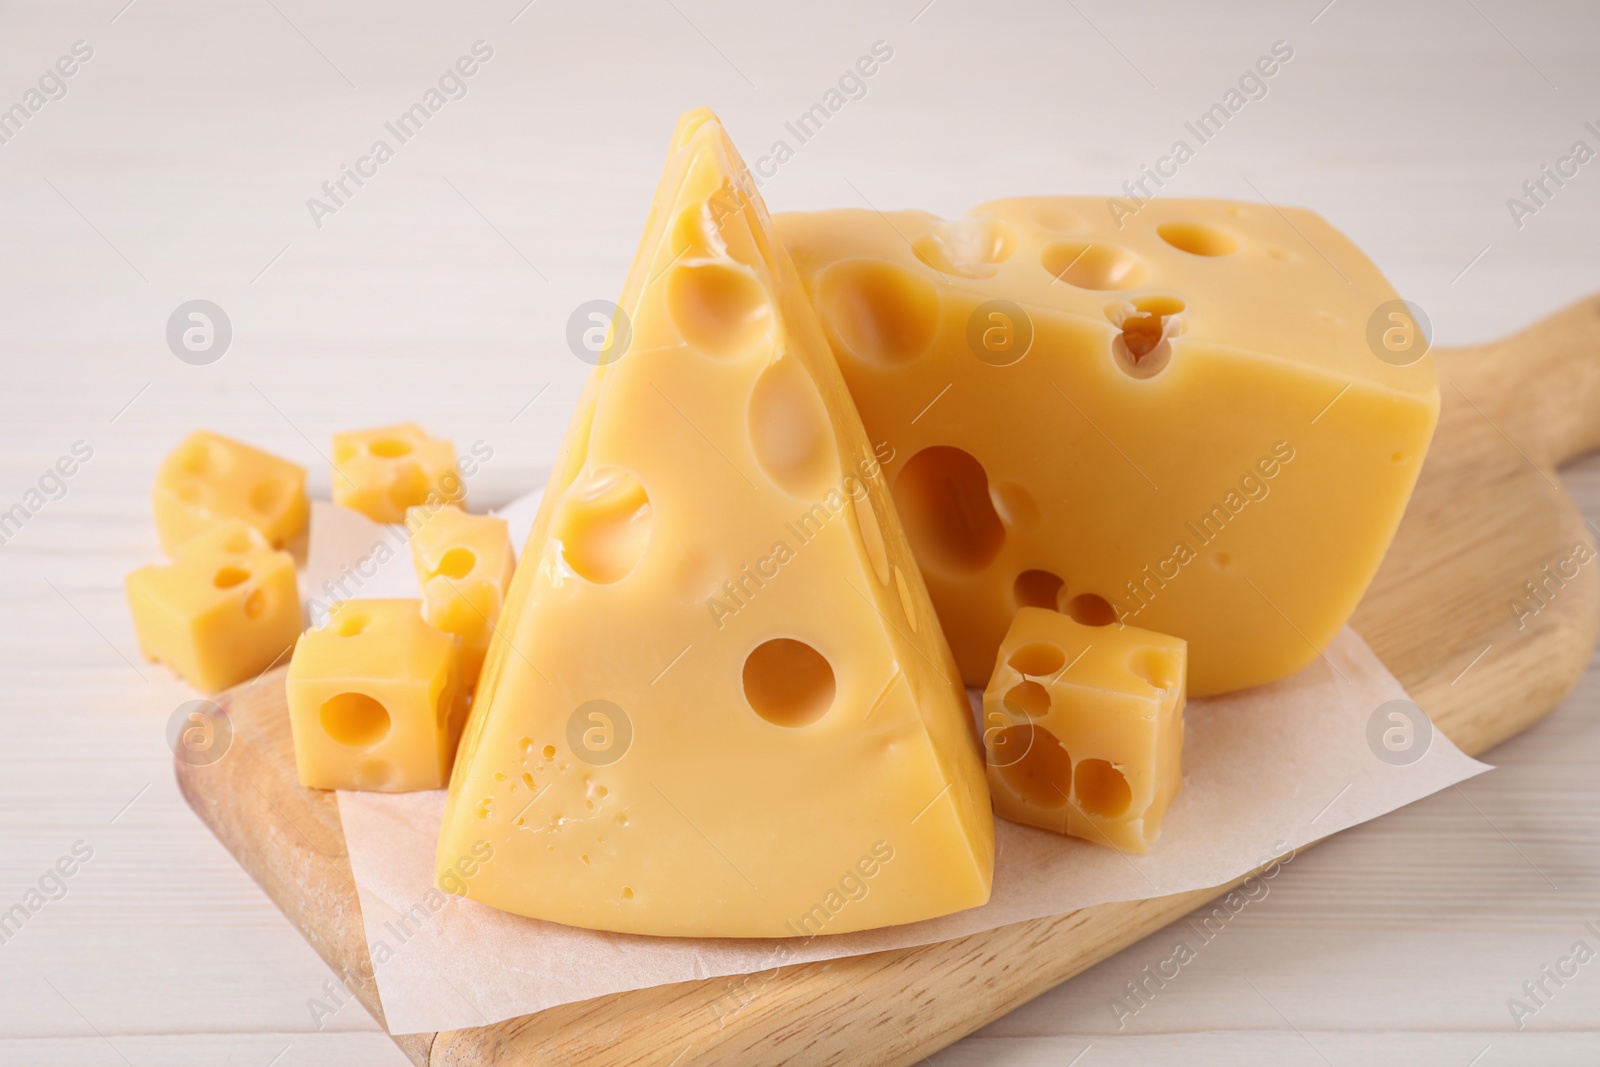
[1083, 728]
[382, 472]
[209, 479]
[1201, 417]
[464, 564]
[224, 611]
[371, 699]
[719, 704]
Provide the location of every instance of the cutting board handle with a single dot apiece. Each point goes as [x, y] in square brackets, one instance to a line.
[1539, 387]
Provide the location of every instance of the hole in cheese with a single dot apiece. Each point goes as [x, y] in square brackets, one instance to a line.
[1159, 306]
[1029, 698]
[1037, 589]
[943, 497]
[1154, 667]
[1102, 789]
[788, 683]
[966, 248]
[389, 447]
[717, 227]
[694, 236]
[1197, 238]
[203, 459]
[1038, 659]
[1042, 775]
[255, 604]
[1093, 266]
[355, 719]
[1148, 323]
[1091, 610]
[457, 563]
[603, 524]
[719, 309]
[789, 430]
[228, 577]
[349, 623]
[879, 312]
[1137, 360]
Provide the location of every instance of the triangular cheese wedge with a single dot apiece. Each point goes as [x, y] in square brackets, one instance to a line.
[720, 703]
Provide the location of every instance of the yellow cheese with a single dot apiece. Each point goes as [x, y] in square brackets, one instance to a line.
[224, 611]
[1083, 728]
[371, 699]
[720, 704]
[1182, 422]
[382, 472]
[464, 564]
[209, 479]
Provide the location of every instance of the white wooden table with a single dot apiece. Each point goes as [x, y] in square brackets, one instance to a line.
[178, 165]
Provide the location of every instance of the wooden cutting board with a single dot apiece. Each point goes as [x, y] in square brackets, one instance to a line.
[1487, 517]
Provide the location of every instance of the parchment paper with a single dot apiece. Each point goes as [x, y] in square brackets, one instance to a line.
[1266, 771]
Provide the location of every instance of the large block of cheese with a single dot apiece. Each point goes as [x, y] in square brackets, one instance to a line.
[720, 703]
[1180, 422]
[464, 564]
[372, 699]
[1083, 728]
[222, 612]
[209, 479]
